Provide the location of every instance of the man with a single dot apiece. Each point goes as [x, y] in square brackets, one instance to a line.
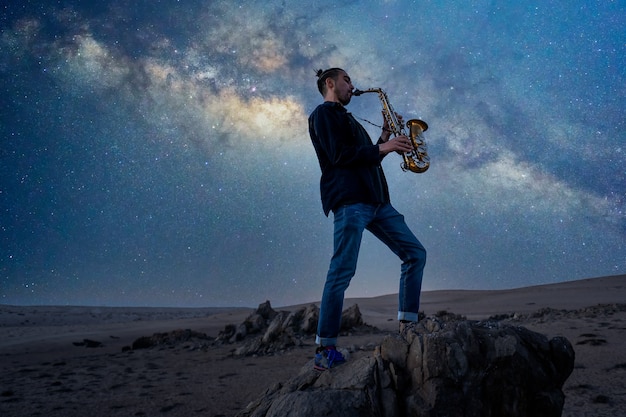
[354, 188]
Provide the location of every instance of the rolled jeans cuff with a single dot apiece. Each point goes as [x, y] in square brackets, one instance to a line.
[404, 315]
[325, 341]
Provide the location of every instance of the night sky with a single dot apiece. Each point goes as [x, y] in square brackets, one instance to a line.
[156, 153]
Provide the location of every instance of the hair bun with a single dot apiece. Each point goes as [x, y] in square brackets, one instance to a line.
[319, 73]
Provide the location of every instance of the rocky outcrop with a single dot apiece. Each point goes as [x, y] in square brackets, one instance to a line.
[267, 331]
[444, 366]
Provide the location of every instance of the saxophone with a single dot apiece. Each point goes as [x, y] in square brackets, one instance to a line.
[416, 160]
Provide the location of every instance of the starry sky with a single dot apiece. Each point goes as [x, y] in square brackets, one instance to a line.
[156, 153]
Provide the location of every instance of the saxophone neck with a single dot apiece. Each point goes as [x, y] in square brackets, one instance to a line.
[358, 92]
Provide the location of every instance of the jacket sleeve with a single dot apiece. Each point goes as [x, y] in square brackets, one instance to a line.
[337, 140]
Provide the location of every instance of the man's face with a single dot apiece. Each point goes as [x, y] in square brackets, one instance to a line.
[343, 88]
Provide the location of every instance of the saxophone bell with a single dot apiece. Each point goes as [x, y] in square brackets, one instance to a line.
[420, 160]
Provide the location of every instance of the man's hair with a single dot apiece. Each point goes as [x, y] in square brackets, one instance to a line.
[322, 75]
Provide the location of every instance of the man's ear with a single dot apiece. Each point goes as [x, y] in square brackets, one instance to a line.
[330, 83]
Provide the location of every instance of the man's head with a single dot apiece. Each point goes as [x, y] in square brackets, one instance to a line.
[334, 84]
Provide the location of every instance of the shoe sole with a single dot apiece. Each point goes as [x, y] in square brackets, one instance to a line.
[322, 368]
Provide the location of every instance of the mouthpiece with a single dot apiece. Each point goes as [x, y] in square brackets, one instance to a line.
[357, 92]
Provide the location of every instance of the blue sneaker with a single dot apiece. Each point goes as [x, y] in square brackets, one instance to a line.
[327, 357]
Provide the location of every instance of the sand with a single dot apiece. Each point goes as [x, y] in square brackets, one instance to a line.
[47, 370]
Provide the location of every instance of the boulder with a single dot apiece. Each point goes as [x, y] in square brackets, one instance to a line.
[443, 366]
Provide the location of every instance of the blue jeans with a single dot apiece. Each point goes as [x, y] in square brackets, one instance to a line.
[384, 222]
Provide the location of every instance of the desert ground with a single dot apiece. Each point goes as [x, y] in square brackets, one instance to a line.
[49, 369]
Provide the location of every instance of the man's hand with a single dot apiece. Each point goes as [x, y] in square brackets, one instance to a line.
[400, 144]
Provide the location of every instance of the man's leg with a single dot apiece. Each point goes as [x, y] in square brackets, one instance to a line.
[349, 223]
[389, 226]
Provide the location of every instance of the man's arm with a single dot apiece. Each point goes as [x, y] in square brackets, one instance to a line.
[334, 137]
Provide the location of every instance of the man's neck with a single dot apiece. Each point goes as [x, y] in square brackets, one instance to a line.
[331, 100]
[331, 97]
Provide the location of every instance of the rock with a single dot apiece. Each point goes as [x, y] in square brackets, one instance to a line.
[310, 316]
[255, 323]
[443, 366]
[280, 330]
[266, 311]
[89, 343]
[240, 332]
[351, 317]
[346, 391]
[228, 333]
[276, 328]
[170, 339]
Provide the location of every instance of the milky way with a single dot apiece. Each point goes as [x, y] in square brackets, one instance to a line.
[157, 153]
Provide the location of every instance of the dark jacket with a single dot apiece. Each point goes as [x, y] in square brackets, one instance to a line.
[350, 162]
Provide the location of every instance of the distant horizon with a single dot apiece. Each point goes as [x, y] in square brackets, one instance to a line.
[348, 300]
